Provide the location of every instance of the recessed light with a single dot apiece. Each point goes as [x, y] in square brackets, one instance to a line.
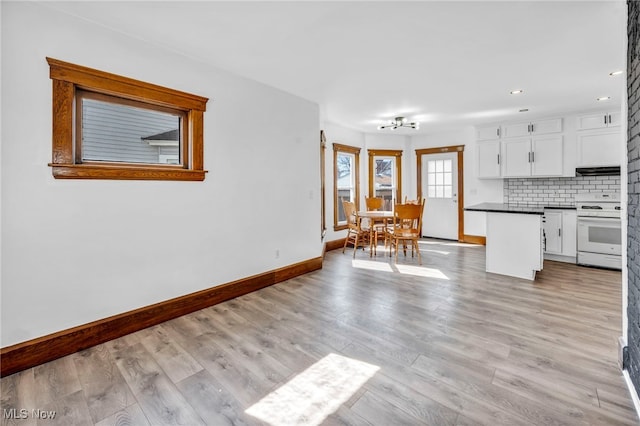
[614, 73]
[604, 98]
[516, 92]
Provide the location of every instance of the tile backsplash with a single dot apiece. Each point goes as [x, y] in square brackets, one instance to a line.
[558, 191]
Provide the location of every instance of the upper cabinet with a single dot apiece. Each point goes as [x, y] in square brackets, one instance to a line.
[598, 149]
[532, 128]
[486, 133]
[598, 141]
[536, 157]
[524, 149]
[599, 120]
[489, 164]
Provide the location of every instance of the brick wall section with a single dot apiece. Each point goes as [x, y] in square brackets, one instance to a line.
[633, 146]
[558, 191]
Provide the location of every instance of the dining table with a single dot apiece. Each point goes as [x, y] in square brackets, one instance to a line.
[375, 216]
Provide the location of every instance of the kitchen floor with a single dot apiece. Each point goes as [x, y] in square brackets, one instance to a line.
[361, 341]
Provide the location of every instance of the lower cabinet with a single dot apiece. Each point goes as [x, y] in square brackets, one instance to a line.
[559, 235]
[552, 225]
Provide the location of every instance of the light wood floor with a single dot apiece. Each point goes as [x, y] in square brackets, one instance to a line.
[451, 345]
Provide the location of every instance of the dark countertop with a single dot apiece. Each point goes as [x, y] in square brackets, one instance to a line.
[567, 207]
[506, 208]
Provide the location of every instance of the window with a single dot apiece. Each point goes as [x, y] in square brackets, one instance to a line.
[385, 171]
[439, 179]
[346, 184]
[111, 127]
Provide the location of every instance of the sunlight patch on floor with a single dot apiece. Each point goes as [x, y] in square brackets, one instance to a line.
[313, 395]
[448, 243]
[445, 253]
[371, 265]
[420, 271]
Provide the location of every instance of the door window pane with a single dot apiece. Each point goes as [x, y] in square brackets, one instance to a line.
[440, 178]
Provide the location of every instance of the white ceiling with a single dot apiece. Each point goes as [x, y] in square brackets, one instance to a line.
[444, 64]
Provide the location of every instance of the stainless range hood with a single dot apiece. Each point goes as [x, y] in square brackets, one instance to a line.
[598, 171]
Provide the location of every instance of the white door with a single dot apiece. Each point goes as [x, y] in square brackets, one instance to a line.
[440, 188]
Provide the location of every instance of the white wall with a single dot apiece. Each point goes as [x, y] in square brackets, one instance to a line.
[475, 190]
[344, 136]
[76, 251]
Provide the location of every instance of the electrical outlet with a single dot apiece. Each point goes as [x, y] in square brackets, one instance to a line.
[277, 253]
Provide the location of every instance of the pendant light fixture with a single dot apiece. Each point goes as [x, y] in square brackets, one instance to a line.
[400, 122]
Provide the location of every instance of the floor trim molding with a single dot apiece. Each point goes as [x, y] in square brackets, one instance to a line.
[632, 391]
[474, 239]
[334, 244]
[37, 351]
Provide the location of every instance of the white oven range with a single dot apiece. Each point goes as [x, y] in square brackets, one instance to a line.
[599, 229]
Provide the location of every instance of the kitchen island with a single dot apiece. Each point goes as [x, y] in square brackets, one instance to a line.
[514, 239]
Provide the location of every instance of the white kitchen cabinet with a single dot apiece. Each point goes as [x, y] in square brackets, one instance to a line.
[552, 225]
[538, 156]
[560, 235]
[532, 128]
[547, 156]
[599, 120]
[486, 133]
[569, 233]
[489, 159]
[517, 157]
[599, 148]
[514, 244]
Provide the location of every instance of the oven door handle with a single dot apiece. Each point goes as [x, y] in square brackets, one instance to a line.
[597, 219]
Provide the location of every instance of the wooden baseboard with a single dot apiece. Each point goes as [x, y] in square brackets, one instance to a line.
[334, 245]
[474, 239]
[34, 352]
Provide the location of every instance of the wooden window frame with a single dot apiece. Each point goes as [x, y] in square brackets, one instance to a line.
[70, 79]
[398, 165]
[323, 202]
[337, 148]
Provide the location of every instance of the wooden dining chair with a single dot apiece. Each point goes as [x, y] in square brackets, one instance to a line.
[420, 201]
[357, 235]
[406, 227]
[375, 204]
